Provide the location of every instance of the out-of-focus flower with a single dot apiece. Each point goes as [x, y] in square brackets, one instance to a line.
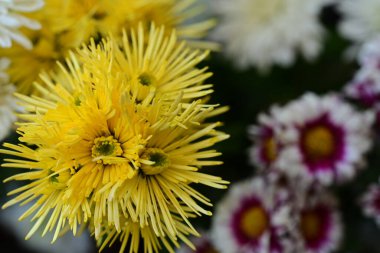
[69, 24]
[263, 33]
[7, 101]
[253, 217]
[324, 139]
[108, 151]
[365, 87]
[11, 20]
[360, 19]
[320, 225]
[266, 146]
[370, 202]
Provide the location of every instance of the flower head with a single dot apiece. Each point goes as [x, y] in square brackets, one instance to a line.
[110, 152]
[253, 217]
[266, 145]
[320, 225]
[11, 21]
[263, 33]
[365, 87]
[324, 139]
[69, 24]
[370, 202]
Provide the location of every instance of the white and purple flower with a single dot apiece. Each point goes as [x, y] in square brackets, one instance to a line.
[253, 217]
[365, 87]
[320, 226]
[324, 139]
[370, 202]
[265, 148]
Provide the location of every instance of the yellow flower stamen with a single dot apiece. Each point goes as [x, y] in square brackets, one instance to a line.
[311, 225]
[270, 148]
[254, 221]
[319, 142]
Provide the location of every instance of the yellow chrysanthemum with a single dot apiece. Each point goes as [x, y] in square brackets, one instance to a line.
[108, 150]
[69, 24]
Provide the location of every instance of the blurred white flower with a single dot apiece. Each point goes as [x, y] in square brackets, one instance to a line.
[253, 217]
[361, 19]
[7, 101]
[261, 33]
[370, 202]
[324, 139]
[365, 86]
[11, 21]
[320, 224]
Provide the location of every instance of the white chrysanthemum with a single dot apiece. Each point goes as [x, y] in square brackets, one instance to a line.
[253, 217]
[262, 33]
[7, 101]
[361, 19]
[320, 227]
[370, 202]
[11, 21]
[265, 148]
[324, 139]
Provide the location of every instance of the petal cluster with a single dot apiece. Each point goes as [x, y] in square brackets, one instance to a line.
[120, 135]
[263, 33]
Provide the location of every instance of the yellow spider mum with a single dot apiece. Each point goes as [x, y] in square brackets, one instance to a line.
[69, 24]
[109, 150]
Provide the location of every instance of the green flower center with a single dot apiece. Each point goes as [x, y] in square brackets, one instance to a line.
[146, 79]
[158, 159]
[105, 148]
